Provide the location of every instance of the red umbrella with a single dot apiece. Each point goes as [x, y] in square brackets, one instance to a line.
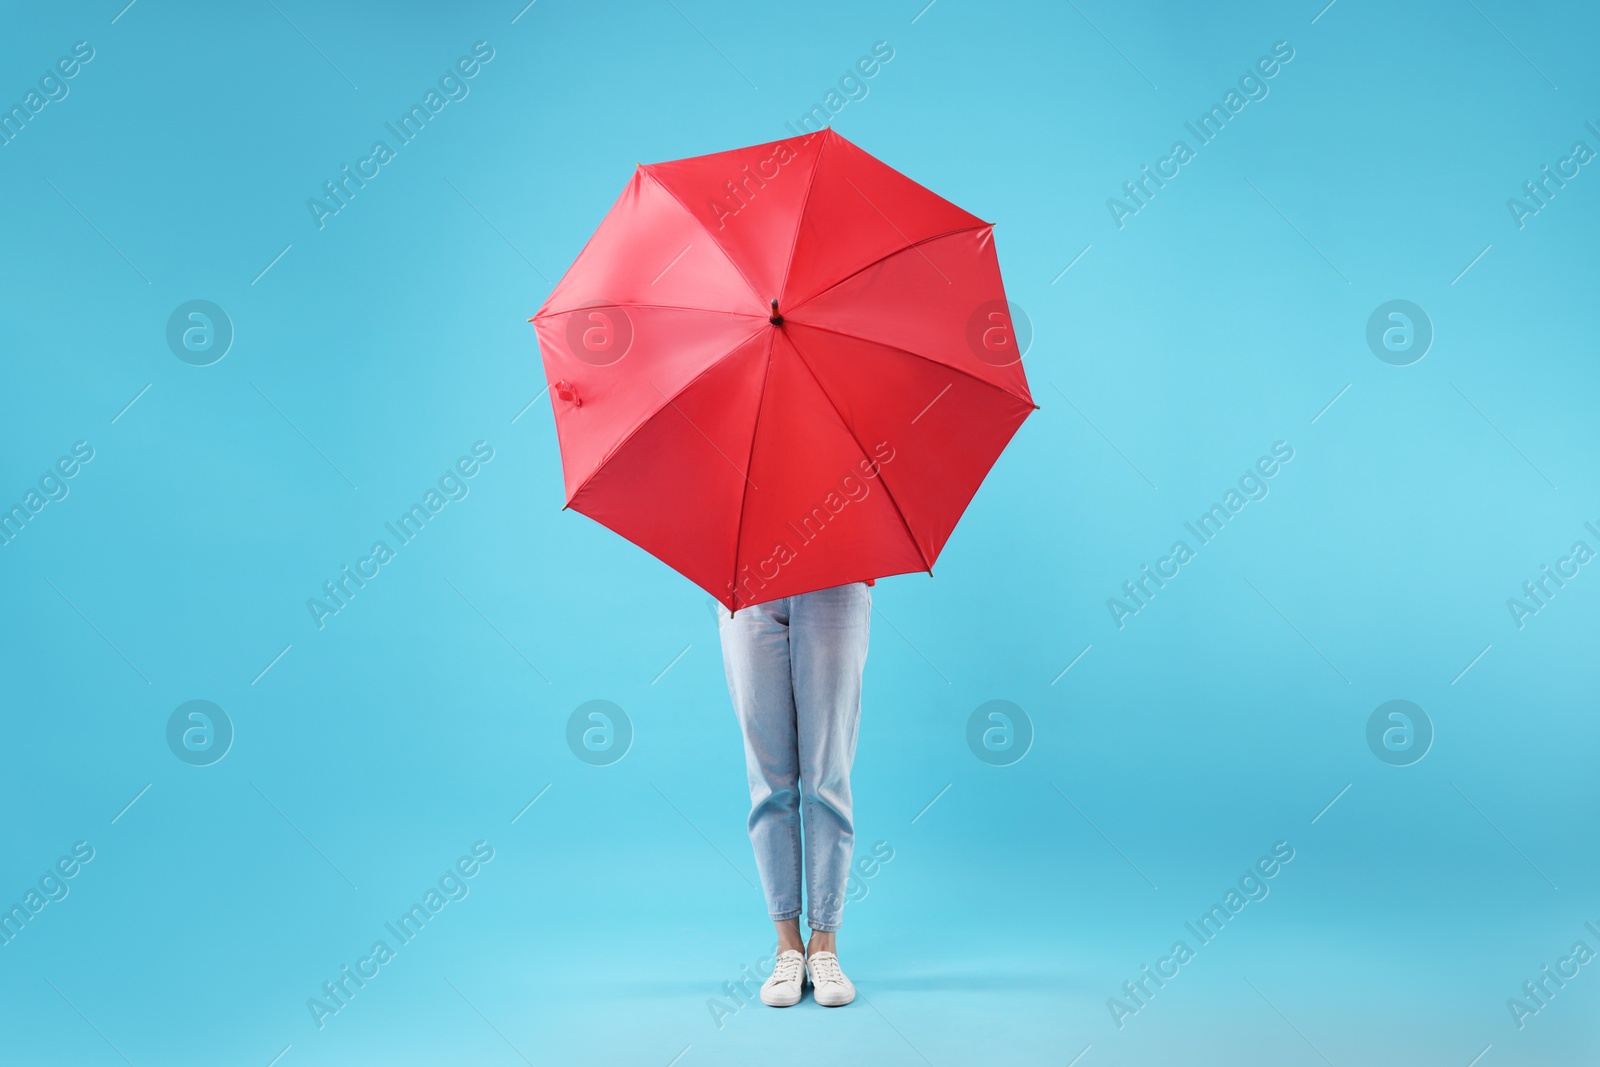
[782, 368]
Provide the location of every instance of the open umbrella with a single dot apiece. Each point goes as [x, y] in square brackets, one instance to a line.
[782, 368]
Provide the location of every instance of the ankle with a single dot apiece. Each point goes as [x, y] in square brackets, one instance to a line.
[788, 931]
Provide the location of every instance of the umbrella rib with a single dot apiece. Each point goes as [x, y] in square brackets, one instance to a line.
[698, 221]
[744, 494]
[926, 562]
[912, 247]
[685, 387]
[917, 355]
[799, 220]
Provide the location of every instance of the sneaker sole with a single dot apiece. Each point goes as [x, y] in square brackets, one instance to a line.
[832, 1003]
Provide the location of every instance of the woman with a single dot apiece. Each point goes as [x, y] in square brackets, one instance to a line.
[794, 672]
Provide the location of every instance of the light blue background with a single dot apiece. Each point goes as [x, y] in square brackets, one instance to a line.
[424, 717]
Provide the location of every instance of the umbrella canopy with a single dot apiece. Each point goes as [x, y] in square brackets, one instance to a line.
[782, 368]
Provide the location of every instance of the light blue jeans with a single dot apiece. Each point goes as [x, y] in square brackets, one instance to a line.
[794, 672]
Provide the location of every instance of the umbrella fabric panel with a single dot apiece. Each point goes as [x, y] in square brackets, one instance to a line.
[943, 428]
[612, 369]
[749, 201]
[677, 486]
[858, 211]
[940, 300]
[816, 512]
[651, 250]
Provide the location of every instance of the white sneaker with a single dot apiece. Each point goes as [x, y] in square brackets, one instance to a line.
[783, 987]
[830, 987]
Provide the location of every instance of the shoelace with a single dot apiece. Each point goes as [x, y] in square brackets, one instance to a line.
[825, 969]
[787, 969]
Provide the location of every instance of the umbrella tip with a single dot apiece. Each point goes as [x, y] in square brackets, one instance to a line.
[775, 318]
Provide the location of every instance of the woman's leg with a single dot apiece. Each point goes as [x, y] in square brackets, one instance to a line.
[789, 935]
[828, 652]
[755, 655]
